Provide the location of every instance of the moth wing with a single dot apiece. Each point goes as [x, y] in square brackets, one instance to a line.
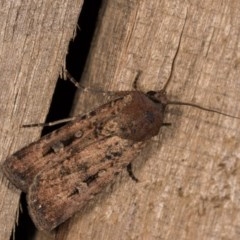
[25, 164]
[60, 191]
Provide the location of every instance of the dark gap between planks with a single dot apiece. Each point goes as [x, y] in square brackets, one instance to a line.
[64, 95]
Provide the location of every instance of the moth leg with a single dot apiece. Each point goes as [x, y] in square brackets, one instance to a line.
[166, 124]
[130, 172]
[50, 123]
[135, 82]
[79, 86]
[87, 89]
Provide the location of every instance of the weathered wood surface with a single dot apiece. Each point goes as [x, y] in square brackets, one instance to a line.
[189, 174]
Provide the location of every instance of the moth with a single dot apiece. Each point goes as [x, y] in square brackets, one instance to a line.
[63, 170]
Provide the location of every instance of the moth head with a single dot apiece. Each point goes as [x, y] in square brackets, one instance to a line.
[158, 97]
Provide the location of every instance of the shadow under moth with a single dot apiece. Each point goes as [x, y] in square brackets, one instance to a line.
[64, 169]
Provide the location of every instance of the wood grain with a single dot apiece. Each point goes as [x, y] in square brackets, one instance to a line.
[34, 41]
[189, 175]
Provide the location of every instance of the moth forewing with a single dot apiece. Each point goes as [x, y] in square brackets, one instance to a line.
[66, 187]
[22, 167]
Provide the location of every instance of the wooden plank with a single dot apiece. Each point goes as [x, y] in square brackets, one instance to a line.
[34, 41]
[189, 174]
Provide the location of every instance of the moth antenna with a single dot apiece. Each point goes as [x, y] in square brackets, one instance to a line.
[171, 76]
[139, 72]
[175, 56]
[200, 107]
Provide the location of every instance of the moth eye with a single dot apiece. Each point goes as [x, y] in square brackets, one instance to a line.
[78, 134]
[56, 147]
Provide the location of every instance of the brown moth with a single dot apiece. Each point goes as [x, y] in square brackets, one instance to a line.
[64, 169]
